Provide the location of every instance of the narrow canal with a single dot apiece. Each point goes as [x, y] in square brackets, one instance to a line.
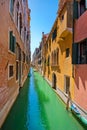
[39, 108]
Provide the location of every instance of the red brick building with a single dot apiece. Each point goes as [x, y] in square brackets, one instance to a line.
[14, 51]
[80, 52]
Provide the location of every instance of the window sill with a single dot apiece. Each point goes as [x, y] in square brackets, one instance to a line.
[11, 52]
[9, 78]
[67, 57]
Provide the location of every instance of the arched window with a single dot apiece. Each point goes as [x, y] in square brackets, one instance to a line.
[48, 60]
[20, 22]
[57, 56]
[17, 7]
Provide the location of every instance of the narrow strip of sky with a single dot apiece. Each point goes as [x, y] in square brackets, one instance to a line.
[43, 15]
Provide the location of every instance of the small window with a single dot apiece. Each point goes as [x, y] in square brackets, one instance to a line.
[10, 71]
[79, 52]
[82, 49]
[62, 17]
[22, 68]
[82, 6]
[17, 70]
[67, 52]
[54, 35]
[23, 57]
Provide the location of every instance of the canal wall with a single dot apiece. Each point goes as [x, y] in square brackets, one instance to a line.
[6, 108]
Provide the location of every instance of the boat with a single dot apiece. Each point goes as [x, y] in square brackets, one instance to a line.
[74, 109]
[78, 115]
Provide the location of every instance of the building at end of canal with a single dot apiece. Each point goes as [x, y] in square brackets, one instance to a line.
[14, 51]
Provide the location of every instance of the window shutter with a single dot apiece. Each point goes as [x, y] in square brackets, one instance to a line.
[75, 9]
[75, 53]
[14, 43]
[10, 40]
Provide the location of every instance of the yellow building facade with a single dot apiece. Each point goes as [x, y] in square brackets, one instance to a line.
[58, 52]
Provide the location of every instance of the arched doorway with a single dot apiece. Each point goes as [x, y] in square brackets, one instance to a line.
[54, 80]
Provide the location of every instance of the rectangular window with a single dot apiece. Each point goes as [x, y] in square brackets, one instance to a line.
[67, 52]
[23, 57]
[17, 70]
[62, 17]
[54, 34]
[20, 57]
[82, 6]
[17, 51]
[67, 84]
[22, 68]
[79, 52]
[10, 71]
[12, 42]
[82, 52]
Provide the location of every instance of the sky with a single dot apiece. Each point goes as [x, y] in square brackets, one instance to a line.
[43, 15]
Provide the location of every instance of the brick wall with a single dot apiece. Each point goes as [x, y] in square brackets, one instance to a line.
[8, 86]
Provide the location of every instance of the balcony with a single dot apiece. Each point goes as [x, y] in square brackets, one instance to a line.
[55, 67]
[65, 21]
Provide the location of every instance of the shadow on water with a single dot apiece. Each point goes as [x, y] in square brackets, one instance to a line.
[17, 117]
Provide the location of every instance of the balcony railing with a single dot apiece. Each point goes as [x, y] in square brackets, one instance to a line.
[55, 67]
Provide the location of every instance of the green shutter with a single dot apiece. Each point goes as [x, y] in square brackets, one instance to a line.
[14, 43]
[10, 40]
[75, 53]
[75, 9]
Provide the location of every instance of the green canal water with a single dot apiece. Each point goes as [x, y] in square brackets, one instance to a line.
[38, 107]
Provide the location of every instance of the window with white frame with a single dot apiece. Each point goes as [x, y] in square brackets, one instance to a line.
[17, 70]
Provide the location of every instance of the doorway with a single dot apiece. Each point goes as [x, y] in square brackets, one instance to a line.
[54, 80]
